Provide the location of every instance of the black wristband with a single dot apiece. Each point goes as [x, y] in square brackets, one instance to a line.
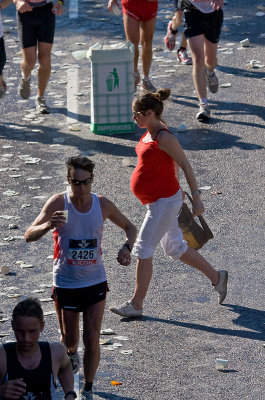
[71, 392]
[128, 246]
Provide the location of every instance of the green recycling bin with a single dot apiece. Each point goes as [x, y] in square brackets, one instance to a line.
[112, 89]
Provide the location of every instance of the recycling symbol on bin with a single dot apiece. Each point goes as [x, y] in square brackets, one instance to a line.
[112, 80]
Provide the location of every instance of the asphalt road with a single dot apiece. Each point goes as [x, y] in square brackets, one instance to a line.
[175, 344]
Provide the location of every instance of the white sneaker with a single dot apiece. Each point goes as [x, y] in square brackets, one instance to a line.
[147, 85]
[221, 287]
[204, 114]
[75, 361]
[41, 105]
[126, 310]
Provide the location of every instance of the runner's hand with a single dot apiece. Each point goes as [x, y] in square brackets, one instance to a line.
[13, 389]
[57, 9]
[217, 4]
[197, 207]
[57, 219]
[110, 3]
[23, 6]
[124, 256]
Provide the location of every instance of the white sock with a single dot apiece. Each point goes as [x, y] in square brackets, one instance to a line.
[146, 77]
[24, 77]
[204, 101]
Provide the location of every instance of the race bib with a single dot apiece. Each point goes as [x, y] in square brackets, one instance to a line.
[82, 252]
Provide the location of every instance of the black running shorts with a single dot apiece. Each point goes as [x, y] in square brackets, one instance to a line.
[78, 299]
[36, 26]
[197, 23]
[2, 55]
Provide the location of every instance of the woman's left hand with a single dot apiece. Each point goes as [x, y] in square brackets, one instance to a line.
[197, 207]
[124, 256]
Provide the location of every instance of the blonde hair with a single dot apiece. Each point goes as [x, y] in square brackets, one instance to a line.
[151, 101]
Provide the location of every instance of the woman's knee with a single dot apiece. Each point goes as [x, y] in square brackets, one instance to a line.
[29, 62]
[91, 339]
[69, 340]
[198, 60]
[211, 62]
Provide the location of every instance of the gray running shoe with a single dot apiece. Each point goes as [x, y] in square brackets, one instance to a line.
[86, 395]
[204, 114]
[41, 105]
[213, 83]
[221, 287]
[75, 361]
[24, 88]
[137, 78]
[126, 310]
[147, 85]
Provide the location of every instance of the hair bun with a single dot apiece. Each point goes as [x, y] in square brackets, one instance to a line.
[162, 94]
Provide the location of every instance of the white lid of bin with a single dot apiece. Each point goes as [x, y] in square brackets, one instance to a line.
[118, 51]
[97, 53]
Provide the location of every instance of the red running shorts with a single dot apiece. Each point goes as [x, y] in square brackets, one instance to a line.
[140, 10]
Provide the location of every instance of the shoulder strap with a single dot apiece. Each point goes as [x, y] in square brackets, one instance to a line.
[161, 129]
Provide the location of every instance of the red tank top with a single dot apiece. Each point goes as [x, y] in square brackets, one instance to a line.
[154, 175]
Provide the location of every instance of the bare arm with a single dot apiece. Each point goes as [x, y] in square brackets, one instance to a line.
[171, 146]
[110, 211]
[51, 216]
[5, 3]
[111, 3]
[62, 367]
[13, 389]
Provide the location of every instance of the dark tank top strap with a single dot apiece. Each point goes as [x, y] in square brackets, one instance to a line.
[159, 130]
[11, 358]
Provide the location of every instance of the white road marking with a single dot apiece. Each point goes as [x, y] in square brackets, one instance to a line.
[72, 90]
[73, 9]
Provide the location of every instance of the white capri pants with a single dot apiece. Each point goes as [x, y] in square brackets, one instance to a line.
[161, 225]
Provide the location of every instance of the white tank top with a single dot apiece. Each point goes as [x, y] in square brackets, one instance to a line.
[204, 7]
[77, 247]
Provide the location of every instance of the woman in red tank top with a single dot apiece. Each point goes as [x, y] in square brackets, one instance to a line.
[155, 182]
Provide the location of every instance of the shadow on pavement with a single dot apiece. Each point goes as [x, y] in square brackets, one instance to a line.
[225, 108]
[70, 139]
[248, 73]
[112, 396]
[249, 318]
[209, 139]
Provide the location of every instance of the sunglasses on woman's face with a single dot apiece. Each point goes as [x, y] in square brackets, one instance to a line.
[136, 114]
[76, 182]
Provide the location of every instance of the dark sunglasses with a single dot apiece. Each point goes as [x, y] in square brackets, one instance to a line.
[136, 113]
[77, 182]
